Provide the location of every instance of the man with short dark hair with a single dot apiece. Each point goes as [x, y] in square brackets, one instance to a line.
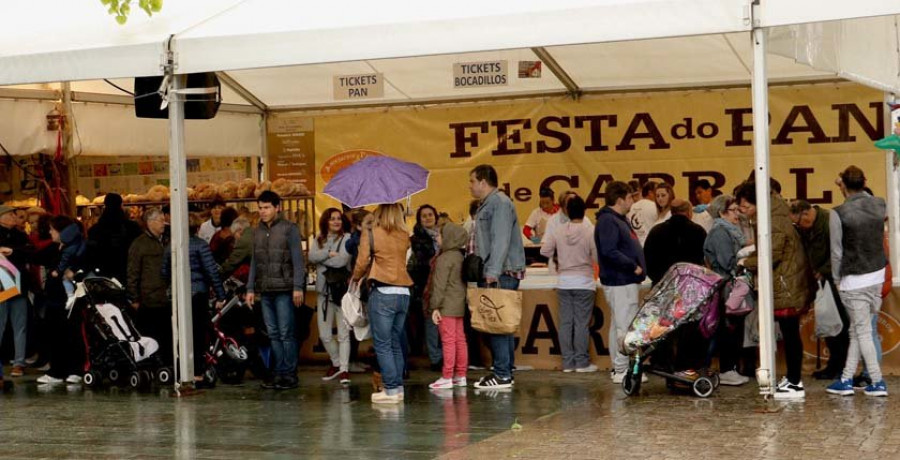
[278, 278]
[812, 222]
[675, 240]
[644, 213]
[536, 225]
[858, 265]
[146, 285]
[498, 242]
[622, 268]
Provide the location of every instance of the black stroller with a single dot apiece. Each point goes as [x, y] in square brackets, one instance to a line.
[685, 296]
[117, 351]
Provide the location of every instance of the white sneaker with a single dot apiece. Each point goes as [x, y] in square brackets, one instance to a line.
[789, 391]
[617, 377]
[46, 378]
[441, 384]
[73, 379]
[460, 382]
[732, 378]
[384, 398]
[585, 370]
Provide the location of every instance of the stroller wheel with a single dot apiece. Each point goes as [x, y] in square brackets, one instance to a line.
[210, 375]
[136, 380]
[92, 379]
[164, 376]
[146, 379]
[114, 376]
[236, 352]
[714, 377]
[703, 387]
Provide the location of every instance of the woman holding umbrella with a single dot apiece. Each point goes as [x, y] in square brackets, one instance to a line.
[389, 297]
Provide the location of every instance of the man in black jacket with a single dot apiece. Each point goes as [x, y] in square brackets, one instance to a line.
[675, 240]
[109, 240]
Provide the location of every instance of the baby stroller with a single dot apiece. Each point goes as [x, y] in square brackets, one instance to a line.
[227, 357]
[686, 295]
[117, 351]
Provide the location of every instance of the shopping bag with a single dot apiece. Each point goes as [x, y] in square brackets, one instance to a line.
[828, 320]
[495, 311]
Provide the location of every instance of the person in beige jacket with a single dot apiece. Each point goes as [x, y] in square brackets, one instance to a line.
[446, 294]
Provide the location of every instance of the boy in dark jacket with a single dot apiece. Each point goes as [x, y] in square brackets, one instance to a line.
[446, 297]
[622, 267]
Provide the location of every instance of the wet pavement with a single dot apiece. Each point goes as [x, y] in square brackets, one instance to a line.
[547, 415]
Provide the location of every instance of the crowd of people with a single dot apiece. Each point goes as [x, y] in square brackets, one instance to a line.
[414, 285]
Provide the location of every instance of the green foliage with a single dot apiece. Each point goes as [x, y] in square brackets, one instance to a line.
[122, 8]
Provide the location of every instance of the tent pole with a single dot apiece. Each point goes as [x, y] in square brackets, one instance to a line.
[766, 372]
[262, 162]
[893, 193]
[181, 275]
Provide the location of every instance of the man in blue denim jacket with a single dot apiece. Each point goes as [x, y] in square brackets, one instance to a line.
[498, 241]
[622, 268]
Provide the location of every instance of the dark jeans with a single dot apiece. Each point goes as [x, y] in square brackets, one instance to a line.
[473, 340]
[68, 354]
[200, 327]
[503, 347]
[839, 344]
[278, 314]
[730, 342]
[387, 315]
[793, 347]
[156, 323]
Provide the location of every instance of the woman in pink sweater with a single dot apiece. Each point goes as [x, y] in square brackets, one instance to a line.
[573, 244]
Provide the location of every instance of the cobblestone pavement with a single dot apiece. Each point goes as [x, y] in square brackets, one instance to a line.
[547, 415]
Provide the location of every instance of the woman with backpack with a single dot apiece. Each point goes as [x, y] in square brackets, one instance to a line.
[330, 255]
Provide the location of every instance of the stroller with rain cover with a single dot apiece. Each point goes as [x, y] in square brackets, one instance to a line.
[118, 352]
[686, 295]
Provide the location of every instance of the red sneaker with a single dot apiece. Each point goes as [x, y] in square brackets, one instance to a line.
[332, 373]
[345, 378]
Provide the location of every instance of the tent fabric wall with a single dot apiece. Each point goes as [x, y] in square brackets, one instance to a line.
[114, 130]
[865, 50]
[23, 130]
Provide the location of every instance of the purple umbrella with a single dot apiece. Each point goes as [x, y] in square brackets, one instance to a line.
[377, 180]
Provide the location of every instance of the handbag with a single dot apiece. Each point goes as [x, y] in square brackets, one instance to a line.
[828, 320]
[473, 269]
[740, 296]
[365, 287]
[354, 313]
[495, 311]
[337, 280]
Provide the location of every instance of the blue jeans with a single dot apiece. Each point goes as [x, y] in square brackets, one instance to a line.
[387, 315]
[15, 310]
[503, 347]
[278, 314]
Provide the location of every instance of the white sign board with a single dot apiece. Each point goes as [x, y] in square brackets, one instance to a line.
[480, 74]
[364, 86]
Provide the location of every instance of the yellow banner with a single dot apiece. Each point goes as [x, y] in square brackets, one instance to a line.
[682, 137]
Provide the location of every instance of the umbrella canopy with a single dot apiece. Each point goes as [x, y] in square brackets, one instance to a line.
[377, 180]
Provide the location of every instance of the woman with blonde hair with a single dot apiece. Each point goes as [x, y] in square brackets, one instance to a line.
[665, 195]
[385, 273]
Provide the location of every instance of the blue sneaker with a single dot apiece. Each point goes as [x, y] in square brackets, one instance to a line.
[841, 388]
[876, 389]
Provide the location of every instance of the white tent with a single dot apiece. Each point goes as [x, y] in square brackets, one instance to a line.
[587, 44]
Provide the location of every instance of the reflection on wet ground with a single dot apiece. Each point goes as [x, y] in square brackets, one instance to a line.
[560, 416]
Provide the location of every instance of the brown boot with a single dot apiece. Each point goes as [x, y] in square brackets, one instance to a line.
[377, 384]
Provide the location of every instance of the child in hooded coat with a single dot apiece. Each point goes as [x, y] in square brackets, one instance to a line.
[446, 298]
